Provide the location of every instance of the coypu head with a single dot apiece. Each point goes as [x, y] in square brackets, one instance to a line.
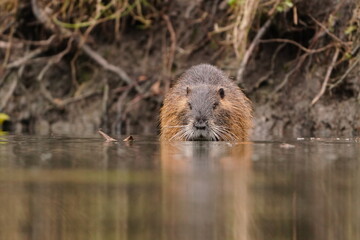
[205, 104]
[203, 117]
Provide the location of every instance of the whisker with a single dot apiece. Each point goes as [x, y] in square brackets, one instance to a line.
[183, 135]
[178, 126]
[189, 134]
[225, 133]
[215, 136]
[228, 132]
[217, 133]
[228, 135]
[177, 134]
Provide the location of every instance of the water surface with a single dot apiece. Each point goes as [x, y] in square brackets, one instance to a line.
[83, 188]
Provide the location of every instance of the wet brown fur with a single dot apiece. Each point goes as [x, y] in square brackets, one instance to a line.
[234, 111]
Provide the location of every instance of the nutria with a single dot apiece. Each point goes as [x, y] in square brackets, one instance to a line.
[205, 104]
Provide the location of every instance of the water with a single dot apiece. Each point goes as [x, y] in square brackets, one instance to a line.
[83, 188]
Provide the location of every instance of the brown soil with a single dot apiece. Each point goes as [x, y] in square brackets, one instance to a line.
[93, 97]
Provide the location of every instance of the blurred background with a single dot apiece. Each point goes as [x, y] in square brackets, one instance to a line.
[72, 67]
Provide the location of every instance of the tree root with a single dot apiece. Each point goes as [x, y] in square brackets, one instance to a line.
[171, 52]
[24, 60]
[291, 72]
[307, 50]
[249, 51]
[337, 83]
[6, 97]
[64, 33]
[107, 66]
[269, 73]
[327, 77]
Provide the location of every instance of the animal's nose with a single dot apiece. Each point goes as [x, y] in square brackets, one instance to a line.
[200, 123]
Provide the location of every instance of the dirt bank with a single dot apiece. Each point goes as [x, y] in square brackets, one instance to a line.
[72, 70]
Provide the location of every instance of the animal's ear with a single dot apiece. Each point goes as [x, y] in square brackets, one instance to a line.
[221, 92]
[188, 90]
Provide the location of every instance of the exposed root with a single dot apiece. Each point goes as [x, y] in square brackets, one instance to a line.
[337, 83]
[250, 49]
[244, 15]
[7, 45]
[65, 33]
[6, 97]
[52, 60]
[328, 32]
[327, 77]
[291, 72]
[26, 58]
[106, 65]
[266, 76]
[307, 50]
[171, 52]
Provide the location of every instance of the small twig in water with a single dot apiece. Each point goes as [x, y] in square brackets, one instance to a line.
[129, 139]
[107, 137]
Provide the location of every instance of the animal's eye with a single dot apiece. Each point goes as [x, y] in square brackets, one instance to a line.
[215, 105]
[190, 106]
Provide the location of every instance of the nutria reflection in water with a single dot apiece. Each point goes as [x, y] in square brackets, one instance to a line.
[199, 203]
[205, 104]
